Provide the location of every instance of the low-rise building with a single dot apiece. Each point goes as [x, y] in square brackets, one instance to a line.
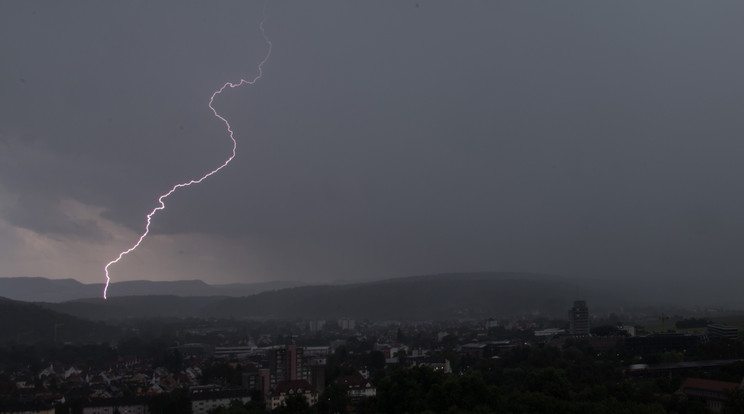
[287, 389]
[204, 401]
[473, 350]
[357, 386]
[136, 405]
[714, 393]
[550, 332]
[717, 331]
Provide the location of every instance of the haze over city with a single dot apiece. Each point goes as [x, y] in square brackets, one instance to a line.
[371, 207]
[385, 139]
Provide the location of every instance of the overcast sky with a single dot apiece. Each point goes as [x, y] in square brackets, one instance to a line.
[385, 139]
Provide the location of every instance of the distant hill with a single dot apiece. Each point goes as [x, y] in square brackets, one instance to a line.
[440, 296]
[39, 289]
[474, 295]
[150, 306]
[28, 323]
[444, 296]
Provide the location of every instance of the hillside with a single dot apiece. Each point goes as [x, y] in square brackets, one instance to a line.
[39, 289]
[27, 323]
[441, 296]
[149, 306]
[446, 296]
[470, 295]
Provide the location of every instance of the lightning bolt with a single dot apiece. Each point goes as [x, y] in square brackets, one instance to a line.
[161, 199]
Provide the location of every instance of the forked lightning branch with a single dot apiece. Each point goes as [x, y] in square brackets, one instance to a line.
[161, 199]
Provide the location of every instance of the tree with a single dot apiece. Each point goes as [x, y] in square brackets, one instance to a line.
[400, 337]
[692, 323]
[550, 381]
[237, 407]
[407, 390]
[449, 341]
[376, 360]
[173, 402]
[475, 392]
[296, 404]
[402, 357]
[672, 356]
[734, 402]
[221, 372]
[333, 399]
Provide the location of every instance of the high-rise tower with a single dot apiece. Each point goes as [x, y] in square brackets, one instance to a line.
[578, 317]
[285, 363]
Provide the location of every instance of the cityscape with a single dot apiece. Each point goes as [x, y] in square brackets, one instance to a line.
[636, 360]
[399, 207]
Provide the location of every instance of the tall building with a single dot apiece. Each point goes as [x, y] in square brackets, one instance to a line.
[285, 363]
[316, 325]
[578, 317]
[347, 324]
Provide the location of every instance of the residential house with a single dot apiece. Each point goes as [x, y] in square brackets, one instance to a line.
[287, 389]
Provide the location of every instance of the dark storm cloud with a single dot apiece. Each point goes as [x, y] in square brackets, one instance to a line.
[388, 139]
[42, 215]
[109, 91]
